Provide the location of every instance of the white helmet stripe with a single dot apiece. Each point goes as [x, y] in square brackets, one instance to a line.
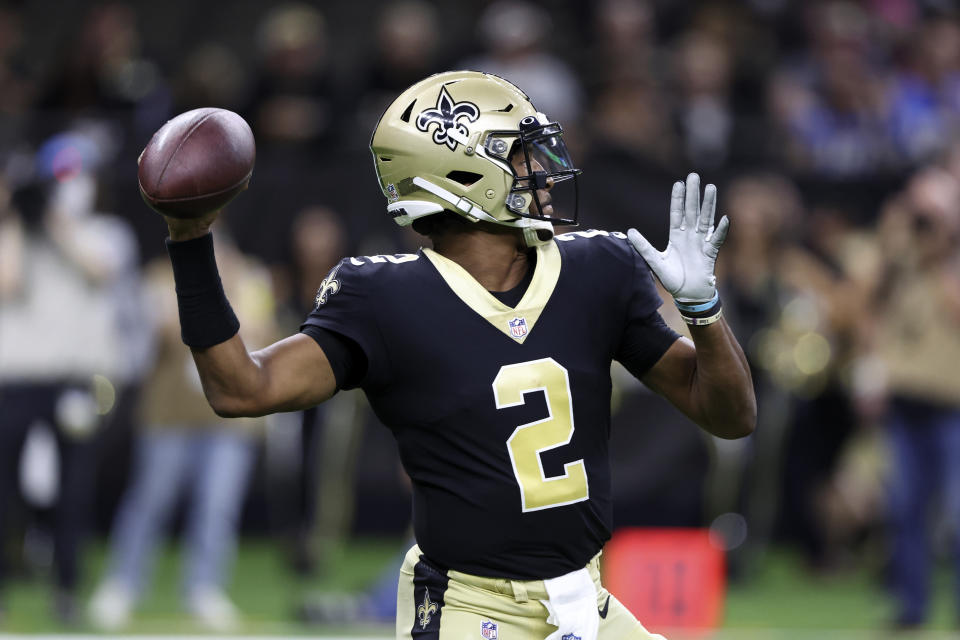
[462, 204]
[530, 226]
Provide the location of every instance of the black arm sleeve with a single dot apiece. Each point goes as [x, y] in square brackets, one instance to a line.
[644, 342]
[346, 358]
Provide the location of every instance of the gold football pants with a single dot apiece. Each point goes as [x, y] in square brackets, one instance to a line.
[433, 604]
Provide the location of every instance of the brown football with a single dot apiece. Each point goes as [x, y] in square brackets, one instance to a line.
[196, 163]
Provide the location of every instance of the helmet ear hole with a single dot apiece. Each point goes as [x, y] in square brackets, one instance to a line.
[466, 178]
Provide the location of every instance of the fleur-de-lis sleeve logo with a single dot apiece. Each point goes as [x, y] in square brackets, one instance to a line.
[426, 610]
[447, 116]
[329, 286]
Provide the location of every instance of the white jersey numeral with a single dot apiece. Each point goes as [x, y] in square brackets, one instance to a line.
[395, 259]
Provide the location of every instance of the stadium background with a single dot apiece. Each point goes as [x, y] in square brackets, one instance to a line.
[825, 125]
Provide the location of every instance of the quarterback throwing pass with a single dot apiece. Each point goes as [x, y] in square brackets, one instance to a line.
[488, 355]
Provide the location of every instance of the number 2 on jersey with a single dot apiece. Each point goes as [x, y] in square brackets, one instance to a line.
[528, 441]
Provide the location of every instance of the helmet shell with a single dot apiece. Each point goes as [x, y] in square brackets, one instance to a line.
[436, 131]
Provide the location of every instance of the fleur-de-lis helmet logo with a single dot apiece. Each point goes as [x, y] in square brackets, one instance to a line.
[447, 116]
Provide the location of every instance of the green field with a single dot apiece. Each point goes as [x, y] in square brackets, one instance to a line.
[782, 600]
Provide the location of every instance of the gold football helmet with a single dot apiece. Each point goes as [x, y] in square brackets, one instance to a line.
[472, 143]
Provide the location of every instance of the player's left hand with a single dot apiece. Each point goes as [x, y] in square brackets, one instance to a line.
[685, 267]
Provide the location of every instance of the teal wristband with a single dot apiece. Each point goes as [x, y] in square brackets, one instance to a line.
[699, 307]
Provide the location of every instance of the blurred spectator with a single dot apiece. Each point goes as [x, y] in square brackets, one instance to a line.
[294, 100]
[514, 35]
[744, 477]
[925, 93]
[718, 68]
[17, 88]
[633, 152]
[631, 139]
[704, 107]
[103, 69]
[624, 42]
[918, 339]
[186, 447]
[64, 354]
[296, 114]
[211, 76]
[406, 51]
[789, 298]
[830, 107]
[317, 243]
[808, 351]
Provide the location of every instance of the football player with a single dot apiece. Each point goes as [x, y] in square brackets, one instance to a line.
[488, 355]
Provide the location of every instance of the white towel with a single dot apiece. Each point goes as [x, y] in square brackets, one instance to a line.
[572, 606]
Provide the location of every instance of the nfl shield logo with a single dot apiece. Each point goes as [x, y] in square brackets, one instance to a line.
[392, 194]
[488, 629]
[518, 327]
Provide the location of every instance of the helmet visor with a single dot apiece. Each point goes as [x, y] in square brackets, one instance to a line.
[545, 180]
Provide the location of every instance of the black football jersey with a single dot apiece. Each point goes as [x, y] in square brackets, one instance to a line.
[502, 414]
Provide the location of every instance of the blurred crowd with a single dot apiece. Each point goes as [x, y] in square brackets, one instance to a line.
[830, 127]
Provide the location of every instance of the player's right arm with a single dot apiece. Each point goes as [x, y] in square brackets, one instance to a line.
[288, 375]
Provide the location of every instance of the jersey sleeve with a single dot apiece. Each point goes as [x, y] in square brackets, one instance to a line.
[344, 307]
[646, 337]
[644, 342]
[346, 358]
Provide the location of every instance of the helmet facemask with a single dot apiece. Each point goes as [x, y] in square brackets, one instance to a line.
[545, 183]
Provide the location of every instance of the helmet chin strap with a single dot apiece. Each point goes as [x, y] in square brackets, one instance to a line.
[535, 232]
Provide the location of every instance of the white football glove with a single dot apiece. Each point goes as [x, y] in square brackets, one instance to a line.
[685, 267]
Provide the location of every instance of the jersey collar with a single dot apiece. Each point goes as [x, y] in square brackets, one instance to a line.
[516, 323]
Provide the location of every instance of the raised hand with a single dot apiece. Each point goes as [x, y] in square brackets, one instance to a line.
[685, 267]
[189, 228]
